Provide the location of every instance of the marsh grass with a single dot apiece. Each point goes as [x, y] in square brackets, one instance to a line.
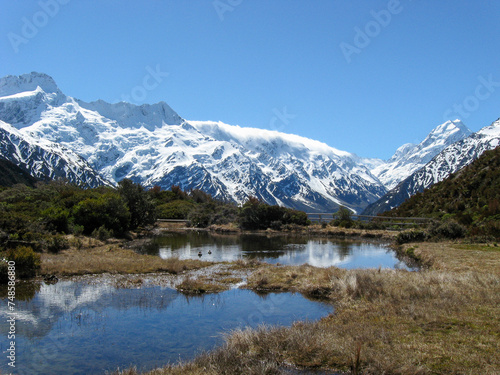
[98, 257]
[442, 320]
[212, 283]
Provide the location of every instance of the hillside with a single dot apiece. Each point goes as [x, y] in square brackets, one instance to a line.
[470, 196]
[450, 160]
[55, 136]
[11, 174]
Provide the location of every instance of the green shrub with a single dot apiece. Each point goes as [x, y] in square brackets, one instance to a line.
[256, 214]
[56, 218]
[344, 214]
[449, 229]
[102, 234]
[108, 210]
[177, 209]
[27, 262]
[4, 269]
[139, 203]
[411, 236]
[201, 216]
[57, 243]
[77, 229]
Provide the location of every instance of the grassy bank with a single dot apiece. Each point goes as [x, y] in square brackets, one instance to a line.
[95, 257]
[442, 320]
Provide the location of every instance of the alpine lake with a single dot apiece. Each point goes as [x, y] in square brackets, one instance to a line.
[89, 325]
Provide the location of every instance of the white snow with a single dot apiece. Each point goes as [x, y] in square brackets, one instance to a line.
[151, 143]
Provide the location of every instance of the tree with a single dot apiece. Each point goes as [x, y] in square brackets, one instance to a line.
[140, 205]
[108, 210]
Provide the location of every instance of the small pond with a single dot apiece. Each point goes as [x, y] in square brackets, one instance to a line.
[288, 250]
[80, 328]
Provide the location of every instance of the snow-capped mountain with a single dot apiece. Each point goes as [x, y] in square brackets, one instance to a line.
[98, 142]
[450, 160]
[410, 157]
[153, 145]
[46, 160]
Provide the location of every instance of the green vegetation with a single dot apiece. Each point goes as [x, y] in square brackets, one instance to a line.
[44, 217]
[198, 208]
[468, 202]
[11, 174]
[29, 214]
[40, 218]
[27, 262]
[256, 214]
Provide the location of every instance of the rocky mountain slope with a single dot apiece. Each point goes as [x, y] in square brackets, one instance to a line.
[53, 135]
[450, 160]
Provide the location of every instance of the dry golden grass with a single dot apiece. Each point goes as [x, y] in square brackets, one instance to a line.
[330, 231]
[206, 284]
[458, 257]
[442, 320]
[100, 258]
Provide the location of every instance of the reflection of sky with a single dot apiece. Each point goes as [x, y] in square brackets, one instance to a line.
[318, 253]
[85, 329]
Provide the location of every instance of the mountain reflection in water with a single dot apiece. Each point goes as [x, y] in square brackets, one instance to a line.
[288, 250]
[77, 328]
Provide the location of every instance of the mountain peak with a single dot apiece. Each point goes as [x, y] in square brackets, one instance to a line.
[150, 116]
[11, 85]
[449, 128]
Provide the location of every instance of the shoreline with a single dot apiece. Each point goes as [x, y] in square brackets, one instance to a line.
[420, 318]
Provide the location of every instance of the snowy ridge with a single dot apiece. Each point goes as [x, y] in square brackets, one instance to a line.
[450, 160]
[410, 157]
[46, 160]
[96, 142]
[11, 85]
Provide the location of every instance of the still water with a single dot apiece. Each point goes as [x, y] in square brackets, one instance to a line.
[288, 250]
[78, 328]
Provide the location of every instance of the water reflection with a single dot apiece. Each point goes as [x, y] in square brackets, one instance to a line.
[77, 328]
[289, 250]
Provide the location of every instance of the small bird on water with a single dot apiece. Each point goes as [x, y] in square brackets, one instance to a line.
[210, 251]
[199, 253]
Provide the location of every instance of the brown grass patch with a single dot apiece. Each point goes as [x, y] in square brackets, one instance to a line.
[101, 258]
[458, 257]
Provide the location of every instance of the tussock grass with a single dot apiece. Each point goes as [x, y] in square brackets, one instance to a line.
[458, 257]
[442, 320]
[111, 259]
[218, 282]
[199, 286]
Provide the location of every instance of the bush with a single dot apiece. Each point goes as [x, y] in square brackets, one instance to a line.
[27, 262]
[139, 203]
[57, 243]
[108, 210]
[344, 214]
[102, 234]
[201, 215]
[57, 219]
[177, 209]
[4, 269]
[255, 214]
[449, 229]
[411, 236]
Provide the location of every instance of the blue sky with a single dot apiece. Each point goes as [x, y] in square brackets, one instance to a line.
[361, 76]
